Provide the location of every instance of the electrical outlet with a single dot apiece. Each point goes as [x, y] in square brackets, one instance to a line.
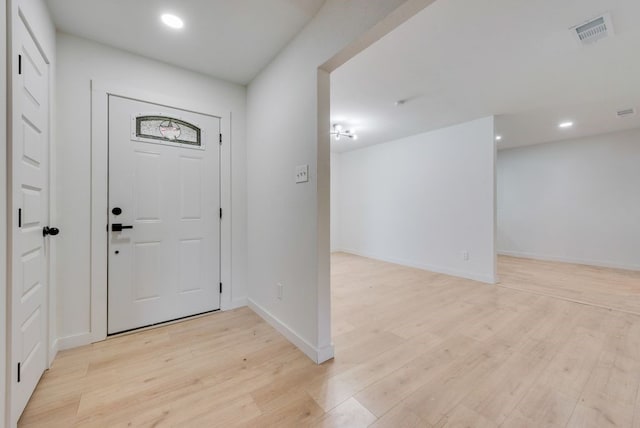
[280, 290]
[302, 174]
[465, 256]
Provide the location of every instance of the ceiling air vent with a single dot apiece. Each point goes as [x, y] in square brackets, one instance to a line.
[594, 29]
[626, 112]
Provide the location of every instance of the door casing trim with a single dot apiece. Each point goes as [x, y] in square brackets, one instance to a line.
[100, 92]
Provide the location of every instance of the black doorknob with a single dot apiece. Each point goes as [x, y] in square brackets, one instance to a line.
[53, 231]
[116, 211]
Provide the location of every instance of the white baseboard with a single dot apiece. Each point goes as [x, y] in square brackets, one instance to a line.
[235, 304]
[431, 268]
[53, 351]
[318, 355]
[325, 354]
[548, 258]
[74, 341]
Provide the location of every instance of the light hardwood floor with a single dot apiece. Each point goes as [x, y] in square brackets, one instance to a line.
[610, 288]
[413, 349]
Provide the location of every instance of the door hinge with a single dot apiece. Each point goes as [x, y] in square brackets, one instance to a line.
[220, 288]
[18, 372]
[220, 212]
[19, 217]
[220, 139]
[19, 64]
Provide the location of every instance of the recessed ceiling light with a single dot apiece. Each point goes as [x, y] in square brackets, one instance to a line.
[567, 124]
[498, 137]
[172, 21]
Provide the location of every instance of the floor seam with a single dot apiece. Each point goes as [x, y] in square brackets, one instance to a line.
[567, 299]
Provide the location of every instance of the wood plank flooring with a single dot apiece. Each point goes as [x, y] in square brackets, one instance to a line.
[610, 288]
[413, 349]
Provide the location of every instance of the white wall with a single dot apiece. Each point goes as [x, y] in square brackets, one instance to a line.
[79, 61]
[282, 106]
[575, 201]
[423, 200]
[336, 177]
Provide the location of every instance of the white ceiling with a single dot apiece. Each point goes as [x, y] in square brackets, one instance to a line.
[228, 39]
[459, 60]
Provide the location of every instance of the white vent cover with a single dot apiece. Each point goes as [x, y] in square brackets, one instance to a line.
[594, 29]
[626, 112]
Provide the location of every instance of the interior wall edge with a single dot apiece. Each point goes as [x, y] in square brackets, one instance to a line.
[396, 18]
[284, 249]
[316, 354]
[323, 186]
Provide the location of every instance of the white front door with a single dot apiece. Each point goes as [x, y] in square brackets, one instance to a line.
[29, 216]
[164, 214]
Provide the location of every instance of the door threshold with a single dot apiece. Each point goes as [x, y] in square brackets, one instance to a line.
[161, 324]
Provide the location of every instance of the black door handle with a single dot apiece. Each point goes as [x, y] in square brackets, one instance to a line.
[53, 231]
[118, 227]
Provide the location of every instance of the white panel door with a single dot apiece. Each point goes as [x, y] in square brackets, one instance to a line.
[29, 216]
[164, 190]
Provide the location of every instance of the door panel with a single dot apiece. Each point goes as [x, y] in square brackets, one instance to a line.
[147, 186]
[29, 211]
[168, 265]
[191, 266]
[190, 188]
[147, 268]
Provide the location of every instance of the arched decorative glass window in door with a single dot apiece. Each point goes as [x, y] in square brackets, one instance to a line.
[168, 130]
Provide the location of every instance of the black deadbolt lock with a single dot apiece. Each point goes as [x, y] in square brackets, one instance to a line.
[116, 211]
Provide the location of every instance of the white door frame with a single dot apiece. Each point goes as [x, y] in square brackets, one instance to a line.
[100, 92]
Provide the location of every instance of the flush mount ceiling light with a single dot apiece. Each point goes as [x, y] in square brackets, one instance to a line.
[498, 137]
[172, 21]
[339, 132]
[564, 125]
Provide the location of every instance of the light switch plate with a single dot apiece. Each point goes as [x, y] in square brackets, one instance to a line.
[302, 174]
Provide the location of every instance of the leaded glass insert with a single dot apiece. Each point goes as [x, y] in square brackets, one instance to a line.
[168, 129]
